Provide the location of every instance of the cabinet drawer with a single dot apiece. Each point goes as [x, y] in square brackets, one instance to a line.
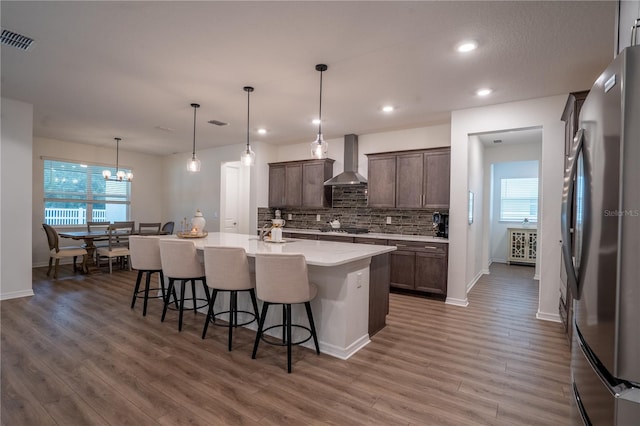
[420, 246]
[299, 236]
[336, 238]
[371, 241]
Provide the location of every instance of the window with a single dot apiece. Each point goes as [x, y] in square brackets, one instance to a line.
[519, 199]
[75, 193]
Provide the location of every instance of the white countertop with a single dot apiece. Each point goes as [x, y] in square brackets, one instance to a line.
[318, 253]
[421, 238]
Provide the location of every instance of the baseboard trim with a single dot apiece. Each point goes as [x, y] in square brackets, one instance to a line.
[474, 281]
[16, 294]
[457, 302]
[548, 317]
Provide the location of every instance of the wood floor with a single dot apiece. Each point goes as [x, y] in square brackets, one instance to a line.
[76, 354]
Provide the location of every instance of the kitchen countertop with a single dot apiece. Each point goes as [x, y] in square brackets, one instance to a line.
[421, 238]
[317, 253]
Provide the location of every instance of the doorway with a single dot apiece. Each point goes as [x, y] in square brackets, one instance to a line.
[234, 198]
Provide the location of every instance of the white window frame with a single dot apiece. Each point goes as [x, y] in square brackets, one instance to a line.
[519, 194]
[120, 194]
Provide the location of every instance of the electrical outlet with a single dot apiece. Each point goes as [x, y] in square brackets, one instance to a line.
[317, 218]
[388, 220]
[289, 216]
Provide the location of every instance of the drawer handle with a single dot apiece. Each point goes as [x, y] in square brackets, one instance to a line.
[431, 247]
[401, 245]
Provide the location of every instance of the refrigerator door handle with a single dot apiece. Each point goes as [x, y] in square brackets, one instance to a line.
[565, 222]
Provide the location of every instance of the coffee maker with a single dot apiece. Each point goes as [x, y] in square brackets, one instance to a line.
[441, 224]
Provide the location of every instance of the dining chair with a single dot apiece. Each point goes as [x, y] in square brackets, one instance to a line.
[282, 279]
[168, 227]
[56, 252]
[227, 269]
[118, 246]
[180, 262]
[94, 226]
[149, 228]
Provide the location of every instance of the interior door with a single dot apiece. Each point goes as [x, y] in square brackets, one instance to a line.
[231, 202]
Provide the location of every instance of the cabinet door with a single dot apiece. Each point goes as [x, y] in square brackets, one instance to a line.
[336, 238]
[403, 269]
[431, 273]
[437, 166]
[382, 181]
[409, 177]
[314, 193]
[276, 186]
[293, 185]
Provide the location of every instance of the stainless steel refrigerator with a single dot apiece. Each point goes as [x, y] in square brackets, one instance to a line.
[601, 247]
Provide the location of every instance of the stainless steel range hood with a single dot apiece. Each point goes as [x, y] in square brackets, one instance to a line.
[350, 176]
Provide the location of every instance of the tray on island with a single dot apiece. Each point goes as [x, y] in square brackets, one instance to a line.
[191, 235]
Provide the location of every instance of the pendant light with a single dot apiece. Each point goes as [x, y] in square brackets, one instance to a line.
[319, 147]
[248, 157]
[120, 174]
[194, 164]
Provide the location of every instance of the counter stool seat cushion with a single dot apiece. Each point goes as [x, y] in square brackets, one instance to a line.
[145, 258]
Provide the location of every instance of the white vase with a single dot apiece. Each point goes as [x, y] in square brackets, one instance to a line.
[198, 222]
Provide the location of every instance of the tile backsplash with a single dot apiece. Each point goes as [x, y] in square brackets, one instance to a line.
[350, 208]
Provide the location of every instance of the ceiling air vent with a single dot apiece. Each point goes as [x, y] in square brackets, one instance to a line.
[217, 123]
[16, 40]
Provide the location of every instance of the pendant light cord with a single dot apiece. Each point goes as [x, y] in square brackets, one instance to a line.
[117, 150]
[195, 109]
[248, 100]
[320, 113]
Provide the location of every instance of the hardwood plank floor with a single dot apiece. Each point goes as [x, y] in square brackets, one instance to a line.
[76, 354]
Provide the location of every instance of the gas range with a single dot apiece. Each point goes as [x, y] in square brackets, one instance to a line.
[345, 230]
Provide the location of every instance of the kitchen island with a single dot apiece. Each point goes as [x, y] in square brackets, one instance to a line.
[342, 273]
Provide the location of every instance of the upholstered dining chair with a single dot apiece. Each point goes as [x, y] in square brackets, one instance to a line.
[149, 228]
[145, 258]
[180, 262]
[282, 279]
[168, 228]
[227, 269]
[118, 247]
[56, 252]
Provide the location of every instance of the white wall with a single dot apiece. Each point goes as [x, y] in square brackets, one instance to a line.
[148, 197]
[542, 112]
[15, 199]
[475, 230]
[187, 191]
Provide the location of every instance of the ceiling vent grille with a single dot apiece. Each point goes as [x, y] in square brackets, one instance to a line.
[16, 40]
[217, 123]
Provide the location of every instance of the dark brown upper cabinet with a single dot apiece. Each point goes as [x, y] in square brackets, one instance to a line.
[410, 179]
[300, 183]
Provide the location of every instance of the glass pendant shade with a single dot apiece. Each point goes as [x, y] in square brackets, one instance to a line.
[106, 174]
[248, 157]
[120, 175]
[129, 176]
[194, 164]
[319, 147]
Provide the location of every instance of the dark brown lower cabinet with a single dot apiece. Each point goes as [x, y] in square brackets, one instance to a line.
[419, 267]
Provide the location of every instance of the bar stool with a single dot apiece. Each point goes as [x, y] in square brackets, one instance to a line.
[180, 262]
[145, 258]
[227, 269]
[283, 279]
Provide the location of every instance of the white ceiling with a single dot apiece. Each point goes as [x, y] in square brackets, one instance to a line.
[98, 70]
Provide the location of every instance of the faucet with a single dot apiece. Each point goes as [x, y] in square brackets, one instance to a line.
[264, 231]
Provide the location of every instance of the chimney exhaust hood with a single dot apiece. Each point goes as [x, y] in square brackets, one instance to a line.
[350, 176]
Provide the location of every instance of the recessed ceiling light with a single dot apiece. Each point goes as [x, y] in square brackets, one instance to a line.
[467, 46]
[483, 92]
[387, 108]
[262, 131]
[315, 121]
